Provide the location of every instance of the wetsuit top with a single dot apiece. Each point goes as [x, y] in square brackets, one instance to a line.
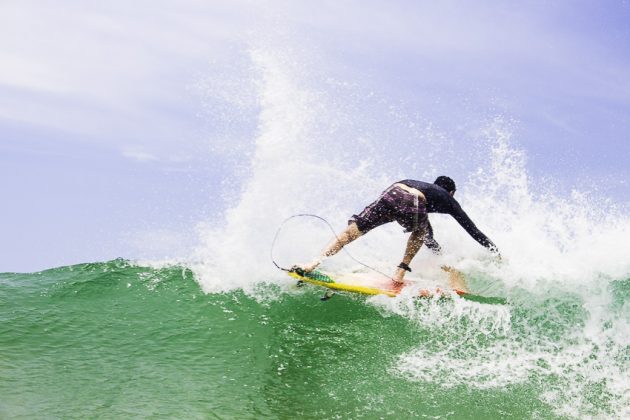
[440, 201]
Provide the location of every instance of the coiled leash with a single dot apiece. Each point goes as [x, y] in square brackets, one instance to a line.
[299, 270]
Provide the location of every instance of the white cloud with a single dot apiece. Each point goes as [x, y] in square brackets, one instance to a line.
[139, 155]
[111, 71]
[116, 71]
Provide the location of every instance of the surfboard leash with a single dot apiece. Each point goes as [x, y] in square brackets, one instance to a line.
[332, 229]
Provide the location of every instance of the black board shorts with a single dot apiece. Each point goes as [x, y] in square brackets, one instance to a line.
[394, 204]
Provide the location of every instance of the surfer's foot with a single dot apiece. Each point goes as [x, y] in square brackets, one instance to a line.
[398, 277]
[305, 268]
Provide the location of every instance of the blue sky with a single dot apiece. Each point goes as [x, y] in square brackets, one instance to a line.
[121, 123]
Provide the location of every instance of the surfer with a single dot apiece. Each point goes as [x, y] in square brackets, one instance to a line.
[407, 202]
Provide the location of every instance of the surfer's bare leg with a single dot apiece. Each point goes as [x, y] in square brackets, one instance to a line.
[414, 243]
[351, 233]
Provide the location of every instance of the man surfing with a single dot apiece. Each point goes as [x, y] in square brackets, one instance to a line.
[407, 202]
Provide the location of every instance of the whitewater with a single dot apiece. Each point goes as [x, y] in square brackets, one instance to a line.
[565, 268]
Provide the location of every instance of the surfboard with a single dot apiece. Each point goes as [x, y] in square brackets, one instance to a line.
[361, 284]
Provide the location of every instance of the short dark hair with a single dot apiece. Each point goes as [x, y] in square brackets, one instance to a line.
[445, 182]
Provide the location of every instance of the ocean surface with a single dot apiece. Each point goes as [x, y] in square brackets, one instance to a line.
[121, 340]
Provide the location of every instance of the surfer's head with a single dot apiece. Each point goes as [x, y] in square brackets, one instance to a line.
[447, 183]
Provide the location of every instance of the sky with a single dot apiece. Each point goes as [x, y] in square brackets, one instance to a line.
[122, 124]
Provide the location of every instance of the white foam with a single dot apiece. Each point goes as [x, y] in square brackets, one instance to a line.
[568, 247]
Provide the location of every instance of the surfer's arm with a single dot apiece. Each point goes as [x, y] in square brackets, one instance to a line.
[430, 241]
[465, 222]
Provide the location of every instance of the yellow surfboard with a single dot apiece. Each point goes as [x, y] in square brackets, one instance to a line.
[358, 285]
[370, 286]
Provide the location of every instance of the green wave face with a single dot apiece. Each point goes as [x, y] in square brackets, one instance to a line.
[116, 340]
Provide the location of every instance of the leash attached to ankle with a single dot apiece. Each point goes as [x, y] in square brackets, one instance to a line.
[404, 267]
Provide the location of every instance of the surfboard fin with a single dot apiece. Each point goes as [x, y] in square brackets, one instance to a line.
[327, 295]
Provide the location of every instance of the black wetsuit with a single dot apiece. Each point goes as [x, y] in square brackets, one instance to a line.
[440, 201]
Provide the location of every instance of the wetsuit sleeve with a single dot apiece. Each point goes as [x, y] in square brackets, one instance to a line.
[430, 241]
[462, 218]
